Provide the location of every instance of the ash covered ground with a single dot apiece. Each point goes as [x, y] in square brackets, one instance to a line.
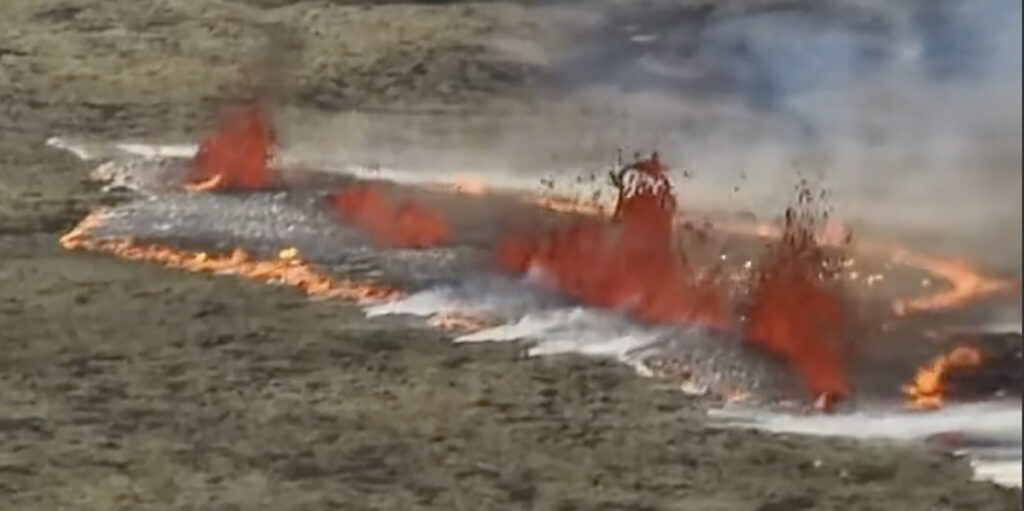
[130, 386]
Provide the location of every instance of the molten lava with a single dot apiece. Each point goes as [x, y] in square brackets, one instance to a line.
[966, 283]
[928, 388]
[629, 262]
[286, 269]
[572, 205]
[407, 225]
[461, 322]
[795, 308]
[237, 155]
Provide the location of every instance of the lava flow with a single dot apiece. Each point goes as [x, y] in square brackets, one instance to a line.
[286, 269]
[928, 388]
[630, 262]
[238, 154]
[966, 282]
[409, 225]
[795, 308]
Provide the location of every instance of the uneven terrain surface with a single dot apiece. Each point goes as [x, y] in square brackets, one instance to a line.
[127, 386]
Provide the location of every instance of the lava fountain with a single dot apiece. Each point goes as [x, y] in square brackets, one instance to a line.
[630, 262]
[238, 153]
[795, 307]
[408, 224]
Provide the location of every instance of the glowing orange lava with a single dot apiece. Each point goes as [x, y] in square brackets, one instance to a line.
[572, 205]
[457, 321]
[407, 225]
[928, 388]
[470, 185]
[795, 308]
[629, 262]
[966, 283]
[287, 268]
[205, 185]
[237, 155]
[626, 257]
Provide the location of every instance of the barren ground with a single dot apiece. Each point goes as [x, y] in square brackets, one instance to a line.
[126, 386]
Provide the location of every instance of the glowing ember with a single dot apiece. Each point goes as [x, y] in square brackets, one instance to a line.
[287, 269]
[459, 322]
[470, 185]
[407, 225]
[206, 185]
[629, 262]
[795, 310]
[928, 389]
[572, 205]
[735, 396]
[237, 155]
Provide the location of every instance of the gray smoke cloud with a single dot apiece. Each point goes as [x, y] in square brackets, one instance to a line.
[909, 112]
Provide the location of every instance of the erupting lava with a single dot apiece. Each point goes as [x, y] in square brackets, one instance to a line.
[928, 388]
[630, 262]
[407, 225]
[630, 259]
[967, 283]
[795, 308]
[286, 269]
[237, 155]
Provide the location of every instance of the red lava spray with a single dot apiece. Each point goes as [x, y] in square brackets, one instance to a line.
[409, 224]
[795, 304]
[237, 154]
[630, 262]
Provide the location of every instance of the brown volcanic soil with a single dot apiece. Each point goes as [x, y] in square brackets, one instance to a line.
[131, 387]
